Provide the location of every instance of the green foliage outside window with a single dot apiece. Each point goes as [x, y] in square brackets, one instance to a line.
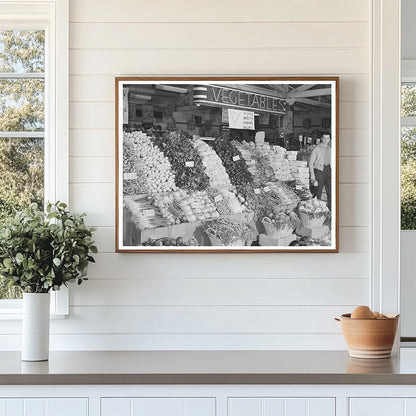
[21, 110]
[408, 202]
[408, 159]
[408, 104]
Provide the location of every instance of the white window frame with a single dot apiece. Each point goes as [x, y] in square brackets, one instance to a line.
[408, 75]
[385, 210]
[53, 17]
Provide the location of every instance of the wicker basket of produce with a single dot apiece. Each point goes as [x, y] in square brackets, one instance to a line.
[227, 232]
[313, 213]
[285, 207]
[277, 229]
[216, 240]
[311, 222]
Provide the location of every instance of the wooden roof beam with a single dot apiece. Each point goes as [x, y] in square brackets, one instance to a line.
[312, 102]
[303, 87]
[309, 93]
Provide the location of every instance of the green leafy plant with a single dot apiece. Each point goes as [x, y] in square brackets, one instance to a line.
[43, 251]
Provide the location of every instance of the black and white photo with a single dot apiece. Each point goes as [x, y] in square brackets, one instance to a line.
[227, 164]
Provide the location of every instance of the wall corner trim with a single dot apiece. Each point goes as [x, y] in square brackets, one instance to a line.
[385, 98]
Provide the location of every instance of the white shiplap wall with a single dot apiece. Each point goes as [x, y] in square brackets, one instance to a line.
[181, 301]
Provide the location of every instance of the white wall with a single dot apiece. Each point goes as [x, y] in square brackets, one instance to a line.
[215, 301]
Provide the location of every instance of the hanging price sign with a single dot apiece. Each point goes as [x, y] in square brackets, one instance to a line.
[149, 212]
[130, 176]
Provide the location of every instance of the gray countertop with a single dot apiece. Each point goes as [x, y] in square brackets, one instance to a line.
[207, 367]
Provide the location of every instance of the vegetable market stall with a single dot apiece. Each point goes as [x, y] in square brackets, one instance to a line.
[183, 191]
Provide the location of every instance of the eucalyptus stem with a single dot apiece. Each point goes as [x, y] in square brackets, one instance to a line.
[40, 251]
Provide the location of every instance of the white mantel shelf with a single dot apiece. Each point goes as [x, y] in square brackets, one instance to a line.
[207, 367]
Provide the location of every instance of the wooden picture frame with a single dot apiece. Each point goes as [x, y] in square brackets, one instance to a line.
[196, 172]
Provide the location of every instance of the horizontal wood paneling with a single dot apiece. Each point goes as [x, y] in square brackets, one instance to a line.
[194, 320]
[198, 11]
[93, 143]
[146, 342]
[92, 169]
[98, 115]
[352, 239]
[354, 87]
[101, 88]
[96, 199]
[92, 88]
[200, 319]
[229, 301]
[222, 291]
[354, 170]
[354, 208]
[354, 115]
[221, 35]
[260, 265]
[354, 142]
[219, 62]
[105, 239]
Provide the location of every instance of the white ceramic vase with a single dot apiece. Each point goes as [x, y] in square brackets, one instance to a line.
[35, 326]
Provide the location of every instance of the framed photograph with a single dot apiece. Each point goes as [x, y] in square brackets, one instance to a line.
[227, 164]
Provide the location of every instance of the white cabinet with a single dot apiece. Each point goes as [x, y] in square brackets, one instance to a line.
[208, 400]
[160, 406]
[44, 407]
[270, 406]
[382, 406]
[377, 407]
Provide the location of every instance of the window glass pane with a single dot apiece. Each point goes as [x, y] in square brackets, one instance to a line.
[21, 182]
[408, 178]
[21, 109]
[21, 173]
[22, 104]
[22, 51]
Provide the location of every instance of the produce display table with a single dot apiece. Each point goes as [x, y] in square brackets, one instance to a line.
[185, 230]
[182, 191]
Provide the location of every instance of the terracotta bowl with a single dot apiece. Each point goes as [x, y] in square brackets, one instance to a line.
[369, 338]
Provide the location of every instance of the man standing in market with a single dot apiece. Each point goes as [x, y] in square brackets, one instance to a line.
[320, 169]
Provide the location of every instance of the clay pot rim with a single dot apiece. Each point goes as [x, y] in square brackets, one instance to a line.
[347, 316]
